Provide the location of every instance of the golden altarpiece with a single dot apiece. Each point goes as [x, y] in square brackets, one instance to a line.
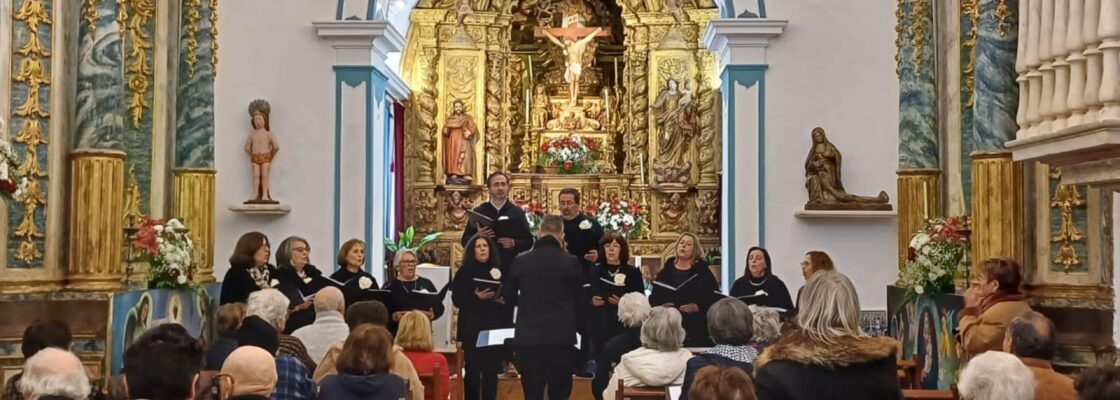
[645, 91]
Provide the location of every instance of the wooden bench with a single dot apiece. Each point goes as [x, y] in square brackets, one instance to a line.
[909, 373]
[922, 394]
[640, 392]
[431, 379]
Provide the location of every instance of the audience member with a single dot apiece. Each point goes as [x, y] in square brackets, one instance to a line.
[730, 324]
[249, 270]
[329, 326]
[829, 350]
[633, 309]
[414, 335]
[293, 382]
[767, 327]
[661, 360]
[38, 336]
[227, 321]
[375, 313]
[250, 374]
[163, 364]
[272, 306]
[996, 375]
[1031, 338]
[721, 383]
[988, 308]
[363, 368]
[1099, 383]
[54, 374]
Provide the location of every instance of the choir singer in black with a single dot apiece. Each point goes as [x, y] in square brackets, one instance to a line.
[686, 283]
[411, 291]
[759, 286]
[501, 220]
[546, 284]
[582, 235]
[612, 277]
[475, 292]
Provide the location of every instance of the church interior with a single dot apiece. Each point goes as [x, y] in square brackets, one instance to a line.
[863, 130]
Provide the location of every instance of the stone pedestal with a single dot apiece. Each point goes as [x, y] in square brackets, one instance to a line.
[194, 206]
[96, 220]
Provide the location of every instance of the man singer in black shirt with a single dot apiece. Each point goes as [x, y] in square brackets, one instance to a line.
[582, 234]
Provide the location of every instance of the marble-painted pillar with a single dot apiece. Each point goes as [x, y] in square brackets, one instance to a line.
[194, 193]
[740, 46]
[362, 131]
[919, 173]
[997, 181]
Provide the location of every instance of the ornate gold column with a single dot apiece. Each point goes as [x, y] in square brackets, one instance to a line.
[919, 199]
[96, 224]
[194, 206]
[997, 207]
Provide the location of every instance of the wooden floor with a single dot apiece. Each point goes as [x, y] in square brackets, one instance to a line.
[510, 389]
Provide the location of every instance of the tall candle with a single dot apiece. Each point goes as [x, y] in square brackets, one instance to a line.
[531, 68]
[642, 168]
[607, 106]
[528, 99]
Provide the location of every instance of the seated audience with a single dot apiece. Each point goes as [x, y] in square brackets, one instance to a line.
[767, 327]
[415, 336]
[1031, 338]
[227, 321]
[54, 374]
[372, 312]
[38, 336]
[721, 383]
[988, 308]
[272, 306]
[162, 364]
[1099, 383]
[731, 325]
[829, 350]
[292, 381]
[661, 361]
[633, 309]
[249, 374]
[363, 368]
[996, 375]
[329, 326]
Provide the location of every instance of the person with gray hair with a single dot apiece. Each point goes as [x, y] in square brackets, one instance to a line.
[299, 280]
[661, 361]
[995, 375]
[56, 374]
[633, 309]
[829, 350]
[329, 326]
[767, 326]
[1031, 338]
[272, 306]
[401, 299]
[731, 325]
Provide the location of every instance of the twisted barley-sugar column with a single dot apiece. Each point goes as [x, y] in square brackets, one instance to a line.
[194, 206]
[919, 199]
[96, 223]
[997, 207]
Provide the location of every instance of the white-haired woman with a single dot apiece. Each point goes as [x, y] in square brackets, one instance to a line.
[402, 299]
[660, 361]
[829, 351]
[686, 284]
[996, 375]
[633, 309]
[732, 327]
[272, 306]
[767, 327]
[298, 280]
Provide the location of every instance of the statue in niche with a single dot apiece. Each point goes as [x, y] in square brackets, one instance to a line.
[539, 115]
[462, 11]
[459, 136]
[457, 206]
[573, 47]
[676, 120]
[822, 179]
[261, 147]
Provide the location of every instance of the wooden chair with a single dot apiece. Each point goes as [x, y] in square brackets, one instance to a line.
[921, 394]
[640, 392]
[431, 379]
[455, 361]
[909, 373]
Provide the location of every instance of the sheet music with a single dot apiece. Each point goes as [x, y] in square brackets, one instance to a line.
[667, 286]
[674, 392]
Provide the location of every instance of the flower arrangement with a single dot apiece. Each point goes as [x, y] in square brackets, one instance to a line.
[12, 181]
[168, 250]
[570, 154]
[534, 212]
[621, 216]
[934, 255]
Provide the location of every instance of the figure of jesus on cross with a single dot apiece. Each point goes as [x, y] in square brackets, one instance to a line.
[573, 39]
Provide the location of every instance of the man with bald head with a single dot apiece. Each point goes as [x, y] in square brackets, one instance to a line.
[1031, 338]
[56, 374]
[329, 326]
[252, 372]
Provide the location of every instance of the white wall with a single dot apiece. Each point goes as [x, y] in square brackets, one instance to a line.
[270, 51]
[837, 73]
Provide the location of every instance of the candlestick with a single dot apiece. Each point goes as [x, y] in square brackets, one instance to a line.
[606, 107]
[486, 163]
[642, 168]
[528, 99]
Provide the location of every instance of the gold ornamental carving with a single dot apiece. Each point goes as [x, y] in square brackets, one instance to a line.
[1066, 198]
[423, 209]
[424, 136]
[497, 145]
[90, 15]
[900, 35]
[97, 188]
[194, 205]
[918, 29]
[707, 213]
[997, 207]
[1002, 14]
[137, 14]
[708, 155]
[637, 156]
[213, 38]
[456, 205]
[32, 73]
[193, 15]
[971, 8]
[133, 217]
[674, 213]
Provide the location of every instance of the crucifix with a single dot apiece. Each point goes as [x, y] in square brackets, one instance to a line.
[573, 39]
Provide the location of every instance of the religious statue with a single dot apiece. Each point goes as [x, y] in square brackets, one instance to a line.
[462, 11]
[573, 49]
[675, 116]
[132, 215]
[459, 136]
[457, 206]
[261, 147]
[822, 179]
[539, 115]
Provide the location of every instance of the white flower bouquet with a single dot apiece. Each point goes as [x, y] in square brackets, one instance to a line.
[621, 216]
[169, 251]
[933, 257]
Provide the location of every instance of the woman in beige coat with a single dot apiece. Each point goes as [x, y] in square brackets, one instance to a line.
[990, 307]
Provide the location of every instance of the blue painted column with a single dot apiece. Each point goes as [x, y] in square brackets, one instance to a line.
[364, 88]
[740, 45]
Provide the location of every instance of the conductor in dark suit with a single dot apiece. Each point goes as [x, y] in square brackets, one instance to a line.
[545, 284]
